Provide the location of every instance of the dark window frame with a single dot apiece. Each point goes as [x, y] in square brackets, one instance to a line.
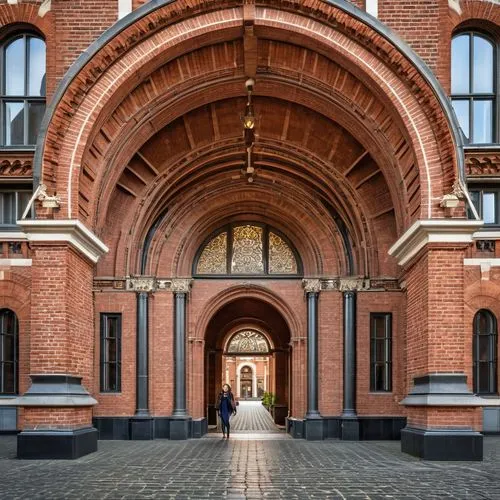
[104, 354]
[266, 229]
[14, 362]
[26, 98]
[13, 188]
[492, 358]
[386, 362]
[481, 189]
[471, 96]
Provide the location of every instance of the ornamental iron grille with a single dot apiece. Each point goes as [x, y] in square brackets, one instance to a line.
[248, 342]
[247, 250]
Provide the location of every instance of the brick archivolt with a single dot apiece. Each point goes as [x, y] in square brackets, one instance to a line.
[128, 59]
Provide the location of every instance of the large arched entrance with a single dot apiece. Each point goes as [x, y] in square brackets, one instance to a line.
[247, 345]
[346, 146]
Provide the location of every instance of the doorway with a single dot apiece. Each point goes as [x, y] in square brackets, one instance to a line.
[248, 347]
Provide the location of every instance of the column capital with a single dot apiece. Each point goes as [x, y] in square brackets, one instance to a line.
[141, 284]
[353, 284]
[181, 285]
[311, 285]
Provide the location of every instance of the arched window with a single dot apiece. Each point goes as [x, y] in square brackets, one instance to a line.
[9, 330]
[245, 250]
[248, 342]
[22, 89]
[474, 86]
[485, 352]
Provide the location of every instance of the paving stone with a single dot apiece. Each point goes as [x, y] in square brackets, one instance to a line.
[245, 468]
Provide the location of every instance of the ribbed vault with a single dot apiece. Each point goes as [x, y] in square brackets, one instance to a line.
[352, 133]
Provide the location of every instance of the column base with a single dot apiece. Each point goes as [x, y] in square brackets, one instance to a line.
[142, 429]
[349, 429]
[54, 444]
[442, 444]
[180, 428]
[314, 429]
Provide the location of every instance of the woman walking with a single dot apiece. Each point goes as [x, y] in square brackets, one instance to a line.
[226, 406]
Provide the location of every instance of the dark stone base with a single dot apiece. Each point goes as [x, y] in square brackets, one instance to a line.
[133, 428]
[370, 428]
[349, 429]
[56, 444]
[446, 444]
[295, 427]
[180, 429]
[142, 428]
[314, 429]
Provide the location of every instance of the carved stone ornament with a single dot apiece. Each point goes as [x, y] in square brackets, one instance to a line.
[482, 163]
[180, 285]
[143, 284]
[353, 284]
[162, 284]
[311, 285]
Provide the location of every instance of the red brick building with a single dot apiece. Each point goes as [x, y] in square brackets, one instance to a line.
[321, 173]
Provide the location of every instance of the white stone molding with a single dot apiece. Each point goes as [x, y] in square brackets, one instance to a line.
[124, 8]
[65, 230]
[372, 7]
[423, 232]
[493, 262]
[486, 235]
[16, 262]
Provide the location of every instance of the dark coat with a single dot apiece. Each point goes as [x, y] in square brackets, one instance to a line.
[231, 399]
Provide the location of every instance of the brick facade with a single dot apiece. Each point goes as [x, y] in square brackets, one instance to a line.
[354, 145]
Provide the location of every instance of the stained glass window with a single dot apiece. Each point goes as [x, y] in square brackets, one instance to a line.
[281, 258]
[248, 341]
[213, 259]
[246, 250]
[247, 256]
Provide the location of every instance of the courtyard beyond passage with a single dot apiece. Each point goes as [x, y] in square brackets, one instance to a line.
[248, 468]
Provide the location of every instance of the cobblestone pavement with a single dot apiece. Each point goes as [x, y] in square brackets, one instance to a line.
[281, 468]
[252, 416]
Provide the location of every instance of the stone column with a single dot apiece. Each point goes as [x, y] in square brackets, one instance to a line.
[180, 424]
[57, 419]
[313, 421]
[142, 423]
[444, 417]
[349, 426]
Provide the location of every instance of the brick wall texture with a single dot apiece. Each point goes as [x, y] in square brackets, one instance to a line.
[149, 132]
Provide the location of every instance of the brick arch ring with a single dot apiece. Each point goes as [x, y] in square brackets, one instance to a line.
[247, 291]
[116, 59]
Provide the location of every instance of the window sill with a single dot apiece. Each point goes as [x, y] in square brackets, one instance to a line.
[18, 149]
[380, 393]
[108, 393]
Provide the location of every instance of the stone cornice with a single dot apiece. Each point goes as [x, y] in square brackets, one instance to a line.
[423, 232]
[180, 285]
[70, 231]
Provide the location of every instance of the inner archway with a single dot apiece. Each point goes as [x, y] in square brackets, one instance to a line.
[247, 346]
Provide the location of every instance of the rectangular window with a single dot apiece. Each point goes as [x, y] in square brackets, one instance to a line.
[486, 202]
[111, 352]
[381, 352]
[12, 205]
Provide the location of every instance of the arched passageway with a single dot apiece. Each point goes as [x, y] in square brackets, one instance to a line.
[247, 345]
